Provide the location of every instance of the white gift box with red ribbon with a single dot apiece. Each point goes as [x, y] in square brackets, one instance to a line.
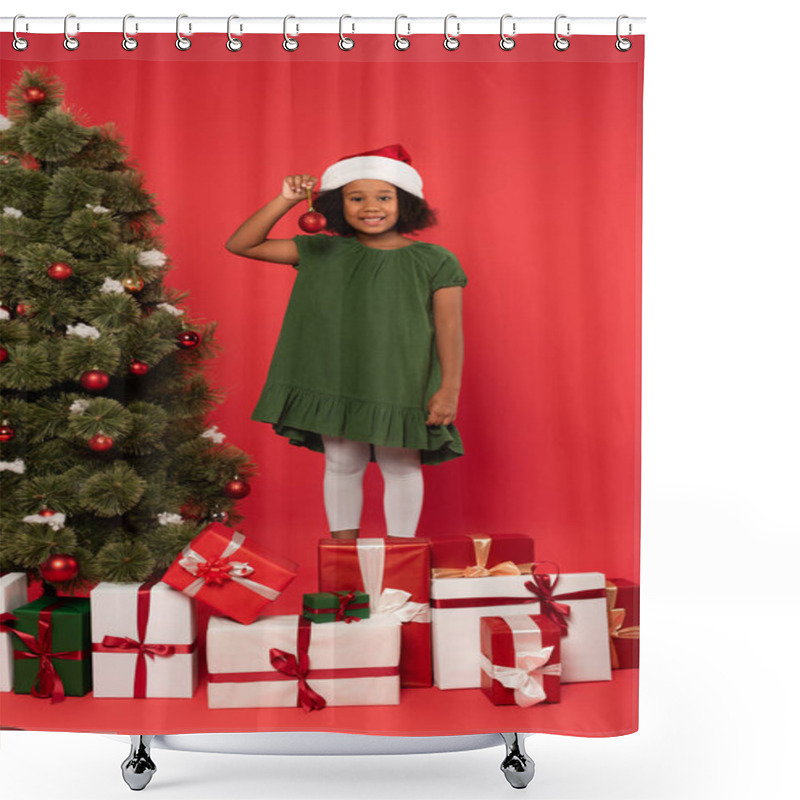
[13, 594]
[457, 605]
[143, 641]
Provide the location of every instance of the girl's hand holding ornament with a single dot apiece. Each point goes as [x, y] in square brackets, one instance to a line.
[442, 407]
[295, 186]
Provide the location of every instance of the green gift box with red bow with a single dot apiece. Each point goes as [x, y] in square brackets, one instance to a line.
[52, 647]
[336, 606]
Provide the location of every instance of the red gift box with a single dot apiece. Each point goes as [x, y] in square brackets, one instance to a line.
[622, 597]
[520, 660]
[237, 581]
[395, 573]
[479, 556]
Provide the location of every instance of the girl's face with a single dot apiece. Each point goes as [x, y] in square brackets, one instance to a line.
[370, 206]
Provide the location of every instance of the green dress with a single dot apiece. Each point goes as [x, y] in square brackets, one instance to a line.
[356, 356]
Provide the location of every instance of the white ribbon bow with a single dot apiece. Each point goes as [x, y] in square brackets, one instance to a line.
[192, 560]
[526, 679]
[396, 601]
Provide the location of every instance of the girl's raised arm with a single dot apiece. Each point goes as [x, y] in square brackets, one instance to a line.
[250, 238]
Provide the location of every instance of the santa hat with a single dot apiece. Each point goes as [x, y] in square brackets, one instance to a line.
[391, 164]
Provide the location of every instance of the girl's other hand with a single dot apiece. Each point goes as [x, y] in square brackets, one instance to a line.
[442, 408]
[295, 186]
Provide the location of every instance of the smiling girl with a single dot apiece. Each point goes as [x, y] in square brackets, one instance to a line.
[369, 359]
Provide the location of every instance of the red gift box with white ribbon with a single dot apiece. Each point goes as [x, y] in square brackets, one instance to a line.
[520, 660]
[234, 579]
[395, 573]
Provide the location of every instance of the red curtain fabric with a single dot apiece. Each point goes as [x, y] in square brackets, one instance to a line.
[532, 159]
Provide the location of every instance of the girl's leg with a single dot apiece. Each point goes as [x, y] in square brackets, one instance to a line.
[402, 499]
[343, 485]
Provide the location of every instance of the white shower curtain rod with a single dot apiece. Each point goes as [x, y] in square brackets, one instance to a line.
[404, 25]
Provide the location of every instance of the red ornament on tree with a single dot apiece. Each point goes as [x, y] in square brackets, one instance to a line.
[3, 355]
[100, 443]
[95, 380]
[7, 433]
[46, 512]
[34, 95]
[237, 489]
[188, 340]
[191, 511]
[23, 309]
[59, 568]
[59, 271]
[138, 368]
[312, 221]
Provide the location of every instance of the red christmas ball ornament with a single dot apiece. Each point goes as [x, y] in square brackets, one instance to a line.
[47, 512]
[100, 443]
[95, 380]
[188, 340]
[3, 355]
[237, 489]
[23, 309]
[312, 221]
[133, 284]
[34, 95]
[59, 271]
[59, 568]
[138, 368]
[7, 433]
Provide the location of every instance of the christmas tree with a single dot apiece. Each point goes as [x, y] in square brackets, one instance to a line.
[108, 465]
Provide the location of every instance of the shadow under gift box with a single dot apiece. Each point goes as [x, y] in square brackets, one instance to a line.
[155, 615]
[69, 634]
[13, 594]
[354, 664]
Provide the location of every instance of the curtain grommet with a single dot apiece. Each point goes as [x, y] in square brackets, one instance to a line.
[290, 44]
[70, 42]
[345, 42]
[560, 43]
[507, 42]
[234, 44]
[622, 44]
[129, 42]
[451, 42]
[400, 42]
[182, 42]
[18, 43]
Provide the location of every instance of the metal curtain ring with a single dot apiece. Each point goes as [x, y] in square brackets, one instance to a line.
[182, 43]
[289, 43]
[18, 43]
[233, 44]
[128, 42]
[345, 43]
[451, 42]
[506, 42]
[70, 42]
[400, 42]
[623, 45]
[560, 42]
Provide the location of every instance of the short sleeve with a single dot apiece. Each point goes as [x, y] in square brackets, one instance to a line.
[448, 273]
[309, 248]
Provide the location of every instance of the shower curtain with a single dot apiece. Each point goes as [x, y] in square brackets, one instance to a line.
[167, 562]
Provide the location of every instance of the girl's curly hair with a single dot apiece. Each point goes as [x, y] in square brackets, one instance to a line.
[414, 213]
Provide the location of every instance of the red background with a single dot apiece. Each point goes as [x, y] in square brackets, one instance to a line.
[532, 159]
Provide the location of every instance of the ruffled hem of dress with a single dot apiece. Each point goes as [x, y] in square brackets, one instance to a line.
[304, 416]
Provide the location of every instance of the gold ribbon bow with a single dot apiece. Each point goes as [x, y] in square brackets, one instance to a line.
[483, 545]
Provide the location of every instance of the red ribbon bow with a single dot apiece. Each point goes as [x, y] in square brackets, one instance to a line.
[543, 588]
[48, 682]
[149, 650]
[297, 667]
[216, 571]
[344, 601]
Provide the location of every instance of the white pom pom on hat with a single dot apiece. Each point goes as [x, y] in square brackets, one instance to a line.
[391, 164]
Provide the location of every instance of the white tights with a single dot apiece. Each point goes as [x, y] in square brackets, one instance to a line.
[343, 486]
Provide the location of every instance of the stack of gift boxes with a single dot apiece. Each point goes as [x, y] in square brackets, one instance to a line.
[469, 612]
